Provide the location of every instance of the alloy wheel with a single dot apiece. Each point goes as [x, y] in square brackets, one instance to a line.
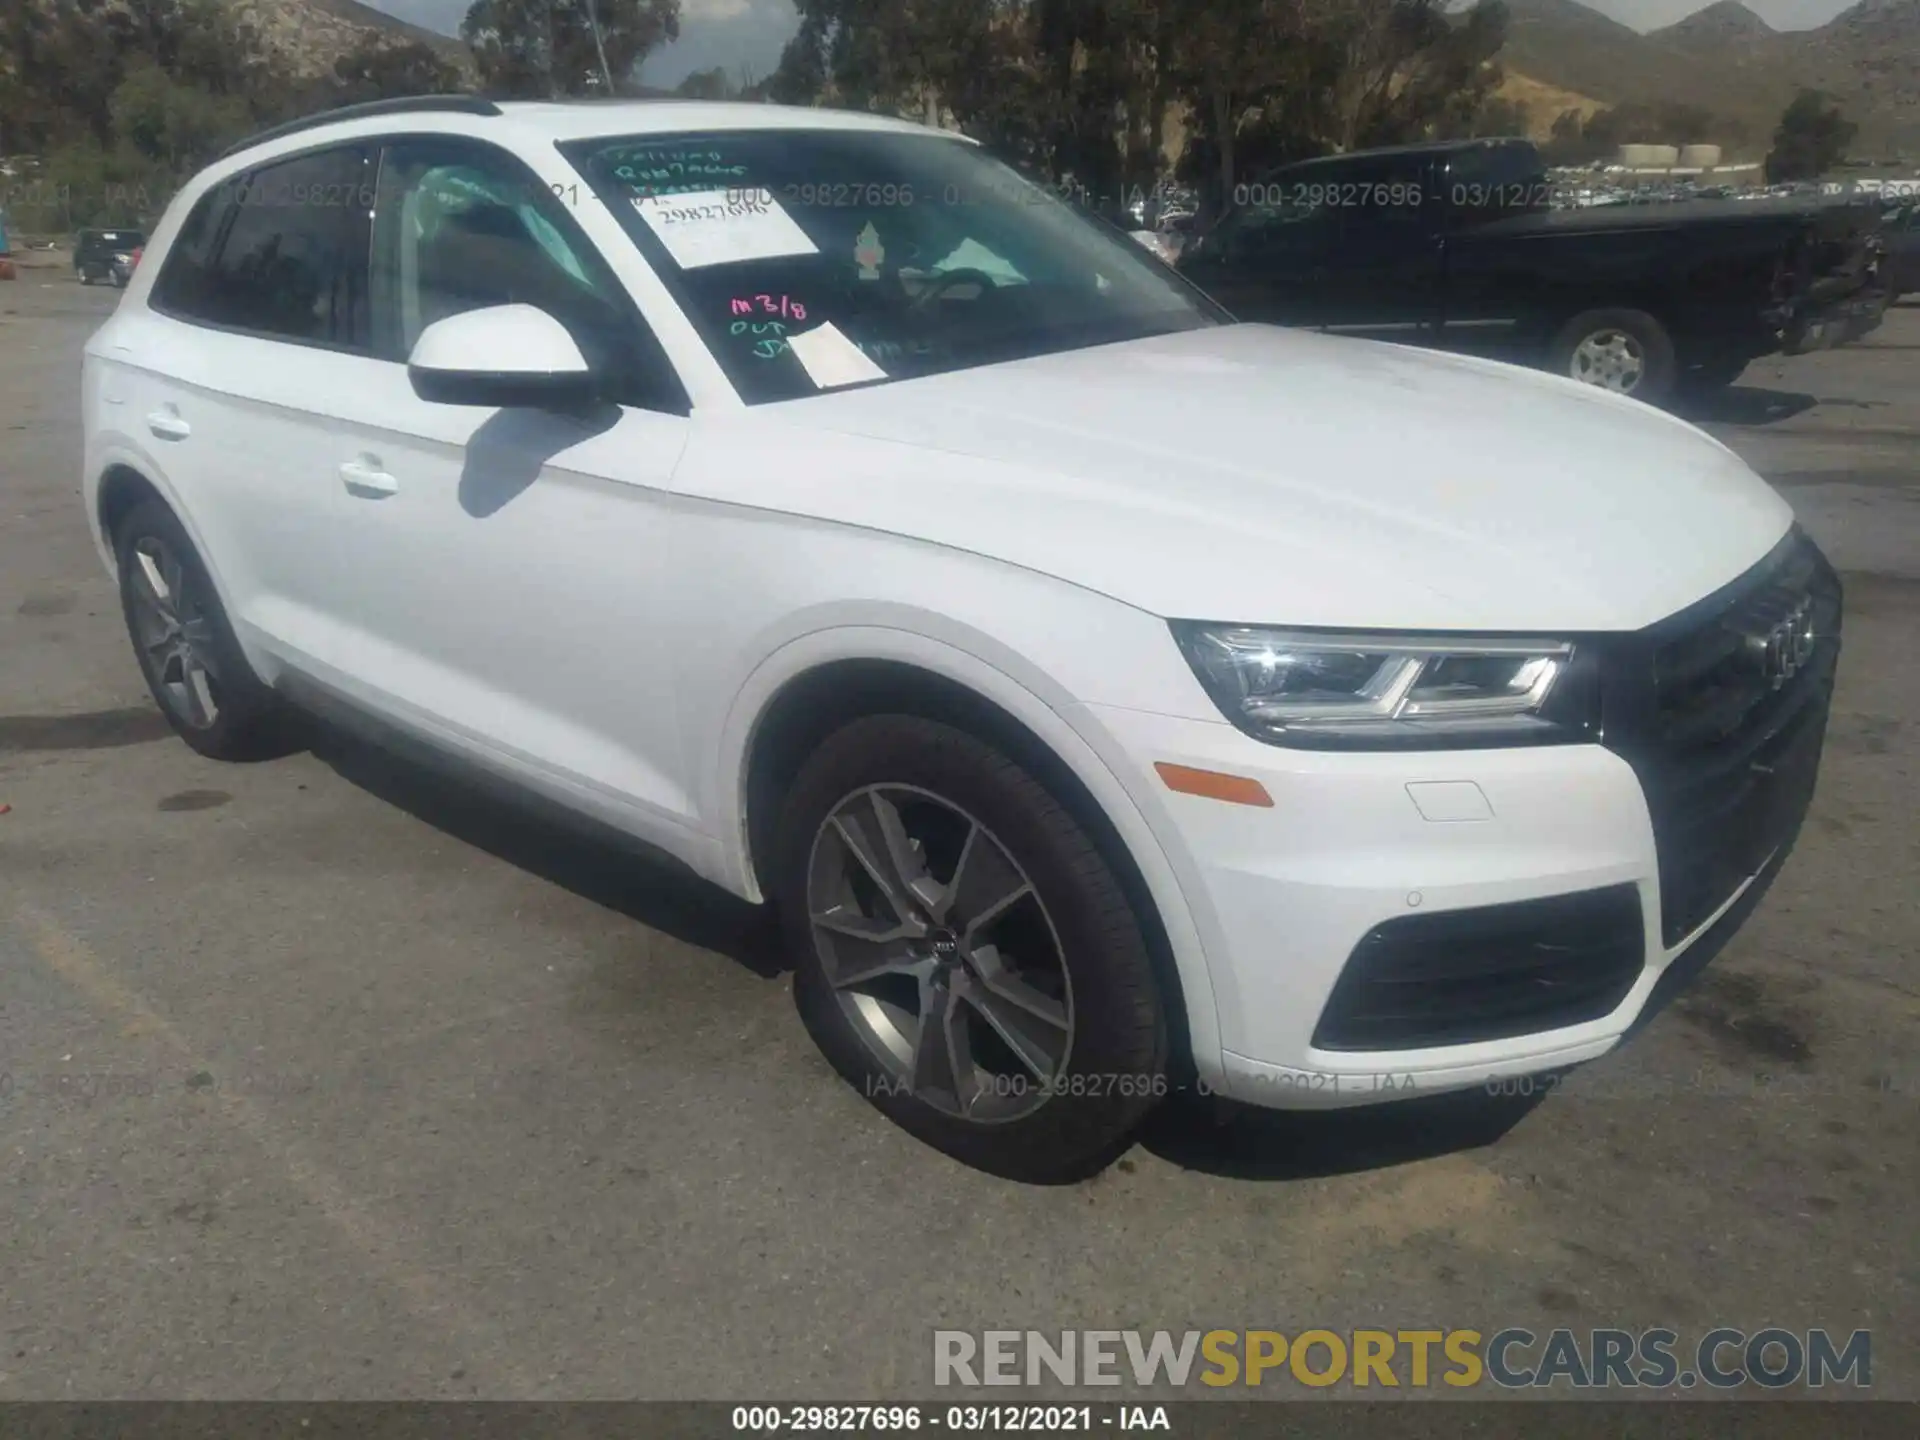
[174, 633]
[941, 953]
[1610, 359]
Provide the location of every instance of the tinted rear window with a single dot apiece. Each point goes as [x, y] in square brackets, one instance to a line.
[280, 252]
[1487, 181]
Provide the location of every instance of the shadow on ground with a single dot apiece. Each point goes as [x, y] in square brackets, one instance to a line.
[1244, 1143]
[593, 861]
[1744, 405]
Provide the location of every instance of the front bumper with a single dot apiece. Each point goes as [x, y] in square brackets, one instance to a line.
[1284, 896]
[1398, 923]
[1837, 322]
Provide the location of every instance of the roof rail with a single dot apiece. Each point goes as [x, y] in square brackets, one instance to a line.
[410, 104]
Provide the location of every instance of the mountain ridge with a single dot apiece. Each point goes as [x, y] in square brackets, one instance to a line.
[1727, 60]
[311, 34]
[1718, 23]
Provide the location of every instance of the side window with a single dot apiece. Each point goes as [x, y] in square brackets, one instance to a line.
[280, 252]
[185, 287]
[1379, 206]
[1285, 217]
[1489, 182]
[461, 227]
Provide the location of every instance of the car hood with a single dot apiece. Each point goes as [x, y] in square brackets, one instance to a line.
[1254, 474]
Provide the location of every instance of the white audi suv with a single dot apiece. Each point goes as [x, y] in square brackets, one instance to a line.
[1111, 698]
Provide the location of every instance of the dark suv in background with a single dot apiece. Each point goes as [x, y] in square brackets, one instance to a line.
[107, 255]
[1900, 237]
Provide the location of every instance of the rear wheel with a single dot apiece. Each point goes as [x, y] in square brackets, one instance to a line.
[1626, 351]
[964, 955]
[193, 665]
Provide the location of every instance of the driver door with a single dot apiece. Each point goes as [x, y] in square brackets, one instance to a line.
[504, 589]
[1268, 261]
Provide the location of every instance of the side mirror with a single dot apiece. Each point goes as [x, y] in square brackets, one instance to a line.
[502, 357]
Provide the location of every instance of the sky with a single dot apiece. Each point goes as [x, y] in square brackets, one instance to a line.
[736, 34]
[1781, 14]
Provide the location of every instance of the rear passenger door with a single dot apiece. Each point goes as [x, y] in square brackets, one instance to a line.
[1265, 261]
[255, 341]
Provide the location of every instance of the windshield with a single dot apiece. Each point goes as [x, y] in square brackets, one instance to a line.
[815, 259]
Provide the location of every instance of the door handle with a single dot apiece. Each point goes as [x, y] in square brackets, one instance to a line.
[365, 477]
[166, 424]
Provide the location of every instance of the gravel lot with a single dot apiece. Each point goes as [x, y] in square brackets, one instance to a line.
[325, 1079]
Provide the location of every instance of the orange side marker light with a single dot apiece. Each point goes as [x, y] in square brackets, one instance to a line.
[1212, 785]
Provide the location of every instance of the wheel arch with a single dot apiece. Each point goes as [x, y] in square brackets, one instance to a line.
[123, 483]
[123, 486]
[814, 697]
[1556, 318]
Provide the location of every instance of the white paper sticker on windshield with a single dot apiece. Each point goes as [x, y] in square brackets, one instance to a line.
[722, 227]
[831, 360]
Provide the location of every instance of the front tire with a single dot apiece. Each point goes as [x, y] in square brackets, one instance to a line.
[193, 665]
[1626, 351]
[965, 957]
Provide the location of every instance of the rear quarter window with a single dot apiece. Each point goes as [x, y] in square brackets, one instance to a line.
[280, 252]
[185, 278]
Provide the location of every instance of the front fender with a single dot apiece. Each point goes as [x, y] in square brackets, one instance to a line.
[1057, 725]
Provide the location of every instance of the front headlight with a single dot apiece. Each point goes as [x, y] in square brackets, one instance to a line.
[1375, 691]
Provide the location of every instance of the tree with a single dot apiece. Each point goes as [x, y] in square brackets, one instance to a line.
[1581, 140]
[378, 69]
[1269, 81]
[177, 126]
[927, 58]
[1236, 60]
[37, 51]
[1497, 117]
[86, 184]
[62, 60]
[1088, 90]
[706, 85]
[1406, 68]
[1568, 144]
[1811, 138]
[125, 99]
[750, 86]
[544, 49]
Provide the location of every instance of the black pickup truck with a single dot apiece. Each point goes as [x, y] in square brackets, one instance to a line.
[1468, 246]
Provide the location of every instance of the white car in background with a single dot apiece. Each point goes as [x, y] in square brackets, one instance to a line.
[1111, 697]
